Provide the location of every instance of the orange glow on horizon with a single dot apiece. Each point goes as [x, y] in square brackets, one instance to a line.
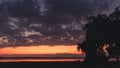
[45, 49]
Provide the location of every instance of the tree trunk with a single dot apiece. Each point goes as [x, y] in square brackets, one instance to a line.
[91, 55]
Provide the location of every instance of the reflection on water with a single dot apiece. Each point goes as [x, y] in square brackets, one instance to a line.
[40, 60]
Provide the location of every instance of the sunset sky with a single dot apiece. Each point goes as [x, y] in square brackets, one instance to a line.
[39, 50]
[46, 26]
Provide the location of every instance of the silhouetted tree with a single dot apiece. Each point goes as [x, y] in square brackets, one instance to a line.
[101, 30]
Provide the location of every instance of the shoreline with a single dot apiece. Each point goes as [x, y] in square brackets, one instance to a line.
[59, 65]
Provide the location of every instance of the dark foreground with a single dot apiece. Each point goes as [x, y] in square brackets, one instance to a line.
[57, 65]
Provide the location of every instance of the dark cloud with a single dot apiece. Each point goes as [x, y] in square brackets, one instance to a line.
[75, 8]
[50, 22]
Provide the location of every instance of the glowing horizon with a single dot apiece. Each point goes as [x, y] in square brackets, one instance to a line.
[44, 49]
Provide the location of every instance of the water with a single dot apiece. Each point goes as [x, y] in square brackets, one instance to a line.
[40, 60]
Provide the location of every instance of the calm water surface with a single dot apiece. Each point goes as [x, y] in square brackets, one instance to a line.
[40, 60]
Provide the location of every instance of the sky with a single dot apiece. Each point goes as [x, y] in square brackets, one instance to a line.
[26, 24]
[40, 51]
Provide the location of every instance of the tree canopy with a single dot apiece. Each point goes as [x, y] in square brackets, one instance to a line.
[102, 36]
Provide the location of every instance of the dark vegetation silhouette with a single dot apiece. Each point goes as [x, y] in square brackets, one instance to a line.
[102, 40]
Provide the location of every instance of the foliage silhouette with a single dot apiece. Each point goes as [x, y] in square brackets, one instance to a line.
[102, 37]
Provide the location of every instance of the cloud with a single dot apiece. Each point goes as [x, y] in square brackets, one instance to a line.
[51, 22]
